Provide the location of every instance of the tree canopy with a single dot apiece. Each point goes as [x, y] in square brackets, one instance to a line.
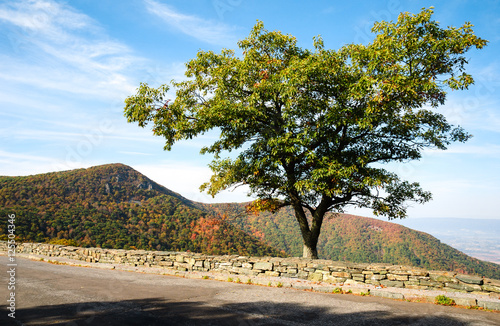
[314, 128]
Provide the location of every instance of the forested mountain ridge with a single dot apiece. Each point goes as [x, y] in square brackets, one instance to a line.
[114, 206]
[346, 237]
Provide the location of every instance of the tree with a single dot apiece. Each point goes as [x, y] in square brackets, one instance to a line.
[314, 128]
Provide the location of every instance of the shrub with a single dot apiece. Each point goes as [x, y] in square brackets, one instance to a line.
[444, 300]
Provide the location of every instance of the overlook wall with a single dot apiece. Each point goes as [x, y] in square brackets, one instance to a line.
[314, 270]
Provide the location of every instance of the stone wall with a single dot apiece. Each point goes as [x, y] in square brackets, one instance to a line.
[299, 268]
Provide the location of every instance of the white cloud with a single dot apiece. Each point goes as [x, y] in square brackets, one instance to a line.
[57, 48]
[45, 17]
[198, 28]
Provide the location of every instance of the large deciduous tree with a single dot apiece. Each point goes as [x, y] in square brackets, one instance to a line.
[314, 128]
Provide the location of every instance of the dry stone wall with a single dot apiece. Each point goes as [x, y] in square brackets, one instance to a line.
[314, 270]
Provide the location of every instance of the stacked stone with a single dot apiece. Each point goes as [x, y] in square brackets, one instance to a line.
[299, 268]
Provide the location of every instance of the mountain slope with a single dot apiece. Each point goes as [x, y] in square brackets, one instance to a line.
[114, 206]
[353, 238]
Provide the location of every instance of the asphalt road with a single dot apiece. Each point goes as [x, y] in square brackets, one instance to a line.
[48, 294]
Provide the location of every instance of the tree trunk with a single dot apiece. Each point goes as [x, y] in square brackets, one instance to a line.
[310, 234]
[310, 251]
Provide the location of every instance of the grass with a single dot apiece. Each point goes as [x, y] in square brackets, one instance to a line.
[279, 285]
[337, 290]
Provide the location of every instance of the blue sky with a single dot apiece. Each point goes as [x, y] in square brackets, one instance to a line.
[67, 66]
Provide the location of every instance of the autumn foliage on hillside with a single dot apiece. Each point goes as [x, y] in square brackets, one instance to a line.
[114, 206]
[356, 239]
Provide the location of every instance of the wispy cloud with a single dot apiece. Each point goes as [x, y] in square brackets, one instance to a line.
[204, 30]
[487, 150]
[19, 156]
[67, 51]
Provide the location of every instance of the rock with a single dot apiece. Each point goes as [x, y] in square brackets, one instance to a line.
[467, 302]
[494, 295]
[418, 272]
[351, 281]
[377, 277]
[386, 294]
[490, 288]
[299, 286]
[464, 287]
[492, 305]
[341, 274]
[493, 282]
[441, 278]
[372, 282]
[333, 279]
[397, 277]
[272, 273]
[431, 283]
[289, 264]
[469, 279]
[320, 288]
[265, 266]
[317, 277]
[395, 284]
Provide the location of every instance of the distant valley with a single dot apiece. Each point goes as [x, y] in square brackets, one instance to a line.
[478, 238]
[114, 206]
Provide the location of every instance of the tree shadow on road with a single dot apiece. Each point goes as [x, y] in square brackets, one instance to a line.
[160, 312]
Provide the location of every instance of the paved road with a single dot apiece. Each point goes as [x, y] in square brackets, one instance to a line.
[48, 294]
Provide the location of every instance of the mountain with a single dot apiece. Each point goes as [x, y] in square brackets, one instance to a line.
[114, 206]
[353, 238]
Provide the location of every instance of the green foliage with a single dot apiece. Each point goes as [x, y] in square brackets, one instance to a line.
[444, 300]
[313, 128]
[337, 290]
[113, 206]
